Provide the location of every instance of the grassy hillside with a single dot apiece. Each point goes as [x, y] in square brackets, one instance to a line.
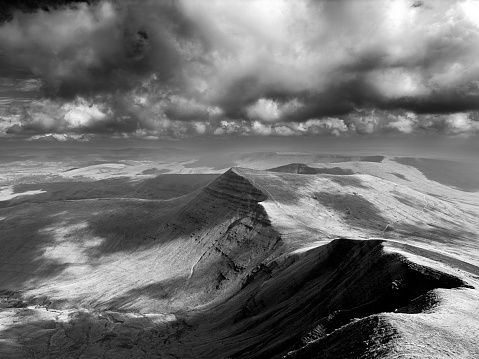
[160, 187]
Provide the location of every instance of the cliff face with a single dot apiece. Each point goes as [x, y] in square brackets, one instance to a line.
[344, 283]
[229, 234]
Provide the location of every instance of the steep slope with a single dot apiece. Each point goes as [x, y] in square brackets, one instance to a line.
[295, 305]
[228, 234]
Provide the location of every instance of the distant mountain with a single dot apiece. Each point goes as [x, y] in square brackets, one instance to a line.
[456, 174]
[301, 168]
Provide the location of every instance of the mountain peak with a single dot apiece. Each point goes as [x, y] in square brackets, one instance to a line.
[236, 185]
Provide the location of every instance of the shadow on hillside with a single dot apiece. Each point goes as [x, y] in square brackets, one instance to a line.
[355, 209]
[332, 158]
[162, 291]
[431, 233]
[32, 235]
[335, 171]
[360, 212]
[401, 176]
[23, 241]
[123, 225]
[304, 169]
[347, 181]
[447, 232]
[229, 238]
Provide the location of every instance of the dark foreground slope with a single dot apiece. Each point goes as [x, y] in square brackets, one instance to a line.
[336, 289]
[329, 302]
[233, 270]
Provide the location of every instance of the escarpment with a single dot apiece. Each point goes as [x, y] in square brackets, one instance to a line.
[329, 287]
[228, 234]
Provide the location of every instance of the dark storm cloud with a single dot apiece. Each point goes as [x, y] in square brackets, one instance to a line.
[104, 47]
[184, 68]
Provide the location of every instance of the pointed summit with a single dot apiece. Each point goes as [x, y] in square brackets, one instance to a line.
[235, 185]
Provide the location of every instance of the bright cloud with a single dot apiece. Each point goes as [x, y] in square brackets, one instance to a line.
[258, 67]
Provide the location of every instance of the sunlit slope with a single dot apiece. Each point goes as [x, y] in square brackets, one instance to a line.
[455, 180]
[307, 207]
[137, 254]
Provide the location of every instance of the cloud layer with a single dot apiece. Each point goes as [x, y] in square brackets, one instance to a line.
[184, 68]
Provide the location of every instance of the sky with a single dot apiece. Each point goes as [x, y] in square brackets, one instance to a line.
[189, 69]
